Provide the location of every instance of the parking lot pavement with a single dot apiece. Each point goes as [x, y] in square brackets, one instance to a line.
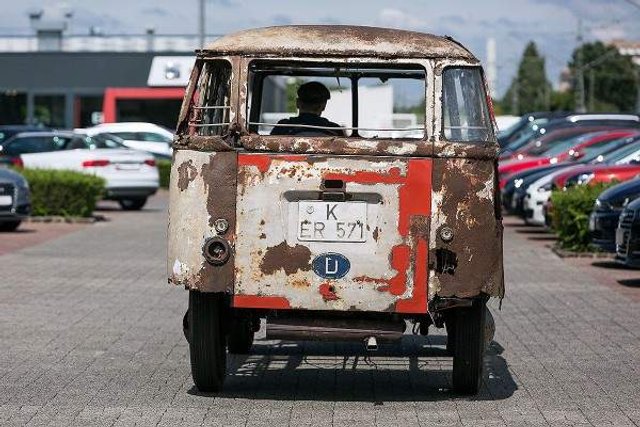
[91, 335]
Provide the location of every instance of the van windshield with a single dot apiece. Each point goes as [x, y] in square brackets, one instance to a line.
[313, 99]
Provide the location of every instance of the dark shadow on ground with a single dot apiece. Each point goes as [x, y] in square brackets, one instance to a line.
[610, 264]
[19, 230]
[418, 369]
[533, 230]
[546, 238]
[632, 283]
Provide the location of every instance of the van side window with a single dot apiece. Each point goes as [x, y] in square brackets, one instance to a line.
[209, 113]
[464, 103]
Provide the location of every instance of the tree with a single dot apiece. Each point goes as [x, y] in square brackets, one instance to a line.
[530, 90]
[610, 79]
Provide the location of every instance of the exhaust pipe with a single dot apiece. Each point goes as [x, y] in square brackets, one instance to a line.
[371, 344]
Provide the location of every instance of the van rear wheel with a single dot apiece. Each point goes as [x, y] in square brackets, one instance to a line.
[207, 344]
[468, 347]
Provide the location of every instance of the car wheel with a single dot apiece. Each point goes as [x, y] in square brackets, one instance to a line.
[240, 337]
[9, 225]
[207, 345]
[468, 347]
[133, 204]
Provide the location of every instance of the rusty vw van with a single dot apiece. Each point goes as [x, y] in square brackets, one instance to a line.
[382, 214]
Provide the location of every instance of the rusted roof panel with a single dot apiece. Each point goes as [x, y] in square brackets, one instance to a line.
[338, 40]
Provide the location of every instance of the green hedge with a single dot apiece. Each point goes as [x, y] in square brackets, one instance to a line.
[164, 169]
[571, 209]
[64, 193]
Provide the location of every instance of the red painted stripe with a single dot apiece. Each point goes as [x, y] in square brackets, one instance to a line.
[259, 301]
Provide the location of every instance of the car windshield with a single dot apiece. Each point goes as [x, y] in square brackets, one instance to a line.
[525, 135]
[597, 154]
[105, 140]
[563, 145]
[623, 153]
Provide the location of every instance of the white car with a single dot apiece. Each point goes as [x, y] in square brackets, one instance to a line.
[538, 193]
[142, 136]
[131, 176]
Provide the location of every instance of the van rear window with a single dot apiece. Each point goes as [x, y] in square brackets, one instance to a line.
[464, 103]
[345, 100]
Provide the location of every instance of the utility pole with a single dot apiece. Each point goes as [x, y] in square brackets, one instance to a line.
[592, 90]
[515, 96]
[201, 28]
[580, 98]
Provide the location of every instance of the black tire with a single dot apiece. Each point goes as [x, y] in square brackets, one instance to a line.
[468, 347]
[451, 334]
[133, 204]
[9, 225]
[240, 337]
[206, 339]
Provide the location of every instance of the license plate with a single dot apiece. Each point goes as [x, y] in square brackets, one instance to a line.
[620, 236]
[6, 200]
[127, 166]
[332, 221]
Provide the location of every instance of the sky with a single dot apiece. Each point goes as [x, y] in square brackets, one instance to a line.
[552, 24]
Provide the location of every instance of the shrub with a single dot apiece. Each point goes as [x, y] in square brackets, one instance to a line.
[62, 192]
[164, 169]
[570, 215]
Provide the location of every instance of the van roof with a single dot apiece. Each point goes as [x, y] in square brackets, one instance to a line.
[337, 40]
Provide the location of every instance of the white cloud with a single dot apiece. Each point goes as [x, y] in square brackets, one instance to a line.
[396, 18]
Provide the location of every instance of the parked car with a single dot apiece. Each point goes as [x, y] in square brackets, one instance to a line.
[518, 182]
[572, 121]
[606, 212]
[570, 149]
[538, 192]
[628, 235]
[131, 176]
[527, 125]
[7, 131]
[142, 136]
[15, 199]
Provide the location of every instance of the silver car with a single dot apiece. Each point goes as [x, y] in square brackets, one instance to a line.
[15, 199]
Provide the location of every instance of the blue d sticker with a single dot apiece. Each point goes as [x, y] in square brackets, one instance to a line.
[331, 265]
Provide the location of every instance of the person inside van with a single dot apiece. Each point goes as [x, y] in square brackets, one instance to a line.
[311, 102]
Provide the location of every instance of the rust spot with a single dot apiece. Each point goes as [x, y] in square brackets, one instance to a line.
[186, 173]
[285, 257]
[263, 236]
[376, 232]
[328, 292]
[300, 283]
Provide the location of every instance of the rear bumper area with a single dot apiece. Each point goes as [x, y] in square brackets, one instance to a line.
[115, 193]
[18, 213]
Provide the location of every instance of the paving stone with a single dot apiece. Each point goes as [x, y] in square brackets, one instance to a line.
[92, 336]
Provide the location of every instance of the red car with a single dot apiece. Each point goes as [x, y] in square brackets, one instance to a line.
[570, 149]
[594, 174]
[538, 145]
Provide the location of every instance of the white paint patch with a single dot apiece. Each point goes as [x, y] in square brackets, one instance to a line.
[487, 191]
